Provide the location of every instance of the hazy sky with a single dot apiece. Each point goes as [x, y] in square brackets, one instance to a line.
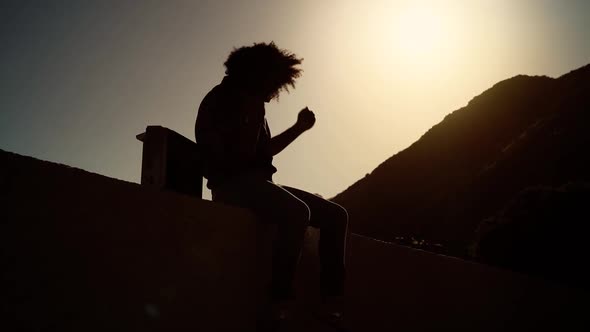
[79, 79]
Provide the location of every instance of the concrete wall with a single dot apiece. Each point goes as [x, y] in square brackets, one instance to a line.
[85, 252]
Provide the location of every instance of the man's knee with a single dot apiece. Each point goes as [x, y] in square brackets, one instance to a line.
[297, 212]
[302, 213]
[339, 217]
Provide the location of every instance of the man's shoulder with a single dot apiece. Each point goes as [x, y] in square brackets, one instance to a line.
[220, 97]
[213, 96]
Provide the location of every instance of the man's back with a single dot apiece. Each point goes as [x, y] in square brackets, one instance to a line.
[232, 133]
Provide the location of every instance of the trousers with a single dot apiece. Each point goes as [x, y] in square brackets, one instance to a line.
[293, 210]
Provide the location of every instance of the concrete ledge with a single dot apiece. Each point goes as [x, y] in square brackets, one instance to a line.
[413, 290]
[83, 252]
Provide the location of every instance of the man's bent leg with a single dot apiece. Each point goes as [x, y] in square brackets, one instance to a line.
[276, 205]
[332, 220]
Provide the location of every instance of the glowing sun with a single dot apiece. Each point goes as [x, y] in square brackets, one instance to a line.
[420, 32]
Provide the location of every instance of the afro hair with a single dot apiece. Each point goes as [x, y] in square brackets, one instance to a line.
[264, 63]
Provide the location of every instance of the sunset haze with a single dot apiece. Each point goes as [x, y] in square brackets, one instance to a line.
[81, 78]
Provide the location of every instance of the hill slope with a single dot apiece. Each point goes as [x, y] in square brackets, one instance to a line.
[522, 132]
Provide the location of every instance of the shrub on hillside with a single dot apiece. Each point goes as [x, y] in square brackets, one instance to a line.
[541, 231]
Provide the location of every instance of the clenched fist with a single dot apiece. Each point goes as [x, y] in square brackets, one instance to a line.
[305, 119]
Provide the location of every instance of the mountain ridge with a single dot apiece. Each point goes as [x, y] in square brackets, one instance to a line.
[430, 179]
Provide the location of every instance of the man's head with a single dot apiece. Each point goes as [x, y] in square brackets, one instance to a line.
[264, 69]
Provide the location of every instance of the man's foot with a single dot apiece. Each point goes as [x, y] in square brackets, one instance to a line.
[331, 312]
[274, 316]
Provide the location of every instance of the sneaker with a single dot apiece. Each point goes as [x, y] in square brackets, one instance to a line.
[275, 316]
[330, 312]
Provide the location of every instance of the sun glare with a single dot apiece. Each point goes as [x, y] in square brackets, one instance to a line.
[419, 33]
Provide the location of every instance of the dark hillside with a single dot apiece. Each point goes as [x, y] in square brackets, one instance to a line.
[522, 132]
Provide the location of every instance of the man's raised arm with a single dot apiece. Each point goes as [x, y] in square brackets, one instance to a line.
[305, 120]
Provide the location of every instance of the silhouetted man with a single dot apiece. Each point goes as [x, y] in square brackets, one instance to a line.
[238, 149]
